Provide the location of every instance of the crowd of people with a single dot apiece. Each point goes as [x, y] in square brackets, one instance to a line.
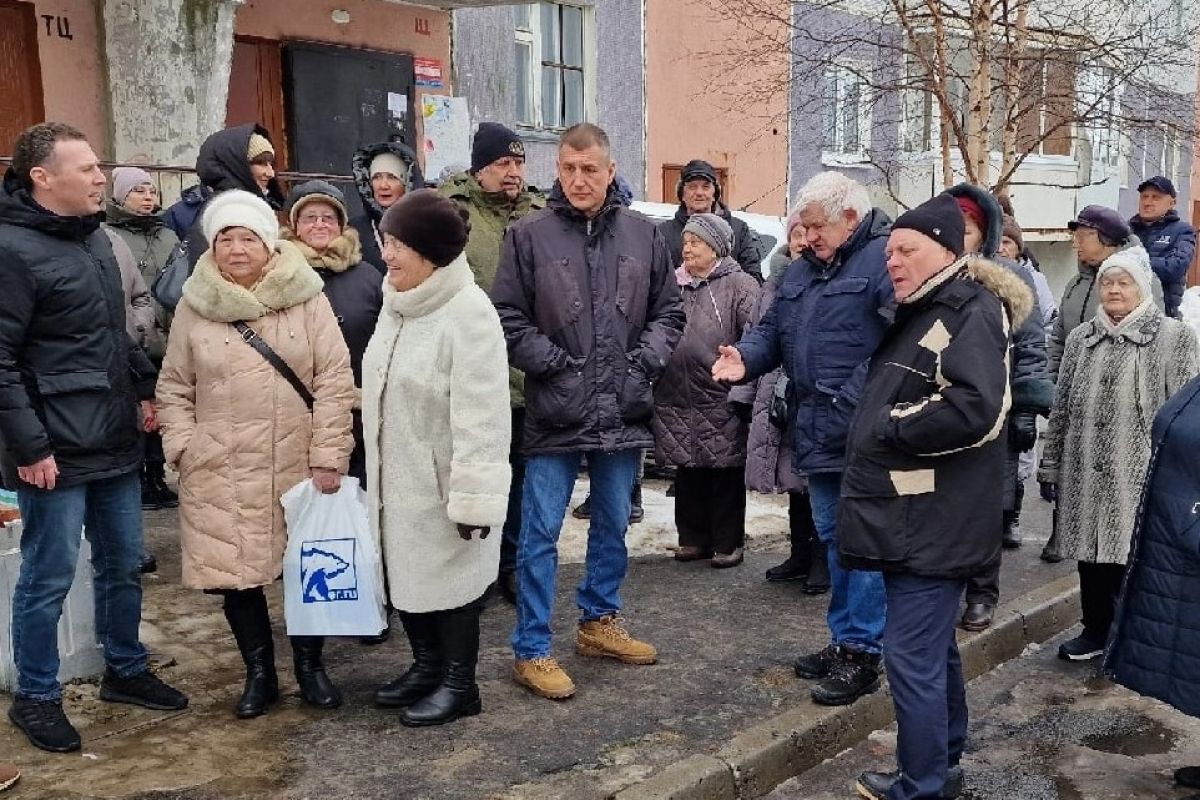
[463, 351]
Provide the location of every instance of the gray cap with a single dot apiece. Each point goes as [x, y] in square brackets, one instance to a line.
[713, 230]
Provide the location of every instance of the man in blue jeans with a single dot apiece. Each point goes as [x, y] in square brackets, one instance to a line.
[70, 383]
[591, 312]
[830, 313]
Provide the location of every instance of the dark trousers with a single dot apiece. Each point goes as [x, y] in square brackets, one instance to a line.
[511, 533]
[1099, 585]
[925, 674]
[152, 450]
[710, 507]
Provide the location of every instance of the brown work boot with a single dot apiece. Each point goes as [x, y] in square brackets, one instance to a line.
[544, 677]
[606, 637]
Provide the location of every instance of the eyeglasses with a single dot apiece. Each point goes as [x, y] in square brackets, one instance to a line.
[313, 219]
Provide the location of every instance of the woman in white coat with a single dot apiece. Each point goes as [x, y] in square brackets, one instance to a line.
[437, 428]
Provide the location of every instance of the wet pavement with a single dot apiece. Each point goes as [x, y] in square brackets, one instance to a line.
[726, 639]
[1042, 729]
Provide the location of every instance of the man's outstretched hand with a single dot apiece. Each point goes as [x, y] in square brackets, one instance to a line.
[729, 368]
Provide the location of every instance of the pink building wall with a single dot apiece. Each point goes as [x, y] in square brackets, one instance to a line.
[731, 112]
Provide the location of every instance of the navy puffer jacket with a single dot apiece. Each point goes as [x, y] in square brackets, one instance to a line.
[1154, 647]
[1171, 243]
[826, 322]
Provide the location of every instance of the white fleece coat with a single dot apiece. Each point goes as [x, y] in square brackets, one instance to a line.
[437, 427]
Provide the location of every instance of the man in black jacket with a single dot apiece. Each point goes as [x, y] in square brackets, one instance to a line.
[699, 192]
[70, 383]
[591, 313]
[924, 462]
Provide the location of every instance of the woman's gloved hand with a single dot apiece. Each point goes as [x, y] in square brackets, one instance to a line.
[1049, 491]
[464, 531]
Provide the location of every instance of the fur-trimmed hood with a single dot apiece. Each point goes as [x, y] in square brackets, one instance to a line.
[1000, 281]
[342, 253]
[287, 281]
[992, 212]
[360, 165]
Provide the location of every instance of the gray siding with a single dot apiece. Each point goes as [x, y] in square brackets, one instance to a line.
[485, 69]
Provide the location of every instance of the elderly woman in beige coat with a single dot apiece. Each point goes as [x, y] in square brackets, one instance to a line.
[240, 434]
[437, 425]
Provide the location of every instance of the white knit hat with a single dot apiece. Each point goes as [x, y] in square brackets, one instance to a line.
[1135, 261]
[390, 163]
[238, 209]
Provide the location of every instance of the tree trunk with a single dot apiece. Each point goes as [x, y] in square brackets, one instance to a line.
[1012, 93]
[979, 102]
[168, 75]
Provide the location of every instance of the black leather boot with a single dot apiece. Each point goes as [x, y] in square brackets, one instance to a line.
[1012, 520]
[458, 694]
[150, 499]
[157, 475]
[818, 581]
[426, 671]
[316, 688]
[246, 612]
[636, 512]
[795, 567]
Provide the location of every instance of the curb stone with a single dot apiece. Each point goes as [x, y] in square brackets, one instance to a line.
[758, 759]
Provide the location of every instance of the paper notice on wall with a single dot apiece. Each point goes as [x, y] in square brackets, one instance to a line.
[397, 105]
[447, 134]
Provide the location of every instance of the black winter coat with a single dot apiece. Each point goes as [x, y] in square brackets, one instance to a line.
[70, 375]
[222, 165]
[747, 249]
[591, 313]
[1154, 646]
[925, 456]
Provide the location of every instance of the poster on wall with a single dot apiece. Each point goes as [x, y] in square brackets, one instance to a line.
[447, 134]
[397, 105]
[428, 72]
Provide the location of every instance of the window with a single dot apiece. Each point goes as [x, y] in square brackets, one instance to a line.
[846, 97]
[1099, 108]
[553, 51]
[920, 123]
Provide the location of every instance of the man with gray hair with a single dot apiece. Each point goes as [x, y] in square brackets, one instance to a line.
[830, 314]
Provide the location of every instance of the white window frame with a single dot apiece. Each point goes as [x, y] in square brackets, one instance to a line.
[918, 108]
[860, 72]
[531, 37]
[1107, 142]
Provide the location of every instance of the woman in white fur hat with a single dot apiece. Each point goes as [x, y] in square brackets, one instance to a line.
[240, 434]
[1117, 371]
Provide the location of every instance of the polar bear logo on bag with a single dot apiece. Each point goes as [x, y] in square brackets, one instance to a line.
[327, 571]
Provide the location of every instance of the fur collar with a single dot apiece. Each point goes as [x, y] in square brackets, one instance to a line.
[431, 295]
[287, 281]
[1000, 281]
[342, 253]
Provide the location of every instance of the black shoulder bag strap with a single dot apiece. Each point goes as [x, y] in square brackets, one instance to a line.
[254, 340]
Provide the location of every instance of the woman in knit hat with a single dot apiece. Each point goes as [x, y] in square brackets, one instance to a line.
[240, 434]
[133, 214]
[1118, 369]
[437, 425]
[319, 228]
[769, 448]
[696, 429]
[383, 173]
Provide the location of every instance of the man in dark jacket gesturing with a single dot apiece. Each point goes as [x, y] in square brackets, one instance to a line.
[699, 192]
[831, 310]
[924, 464]
[591, 311]
[70, 382]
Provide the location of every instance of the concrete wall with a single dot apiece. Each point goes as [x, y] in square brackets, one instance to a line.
[706, 98]
[484, 73]
[73, 67]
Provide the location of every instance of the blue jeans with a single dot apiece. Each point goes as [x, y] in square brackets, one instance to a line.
[109, 511]
[925, 674]
[856, 603]
[549, 480]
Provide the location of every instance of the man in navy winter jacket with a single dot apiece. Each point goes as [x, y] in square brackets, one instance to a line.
[831, 311]
[1170, 241]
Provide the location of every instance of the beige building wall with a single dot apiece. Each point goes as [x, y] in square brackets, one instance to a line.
[73, 85]
[708, 97]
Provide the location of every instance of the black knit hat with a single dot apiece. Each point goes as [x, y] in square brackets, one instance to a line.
[940, 219]
[493, 142]
[432, 225]
[697, 169]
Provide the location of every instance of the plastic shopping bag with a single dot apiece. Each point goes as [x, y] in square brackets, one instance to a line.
[332, 568]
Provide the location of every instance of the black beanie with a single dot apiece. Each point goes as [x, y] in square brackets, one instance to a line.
[697, 169]
[493, 142]
[432, 225]
[940, 219]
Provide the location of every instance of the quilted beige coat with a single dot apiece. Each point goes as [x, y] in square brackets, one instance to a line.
[237, 432]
